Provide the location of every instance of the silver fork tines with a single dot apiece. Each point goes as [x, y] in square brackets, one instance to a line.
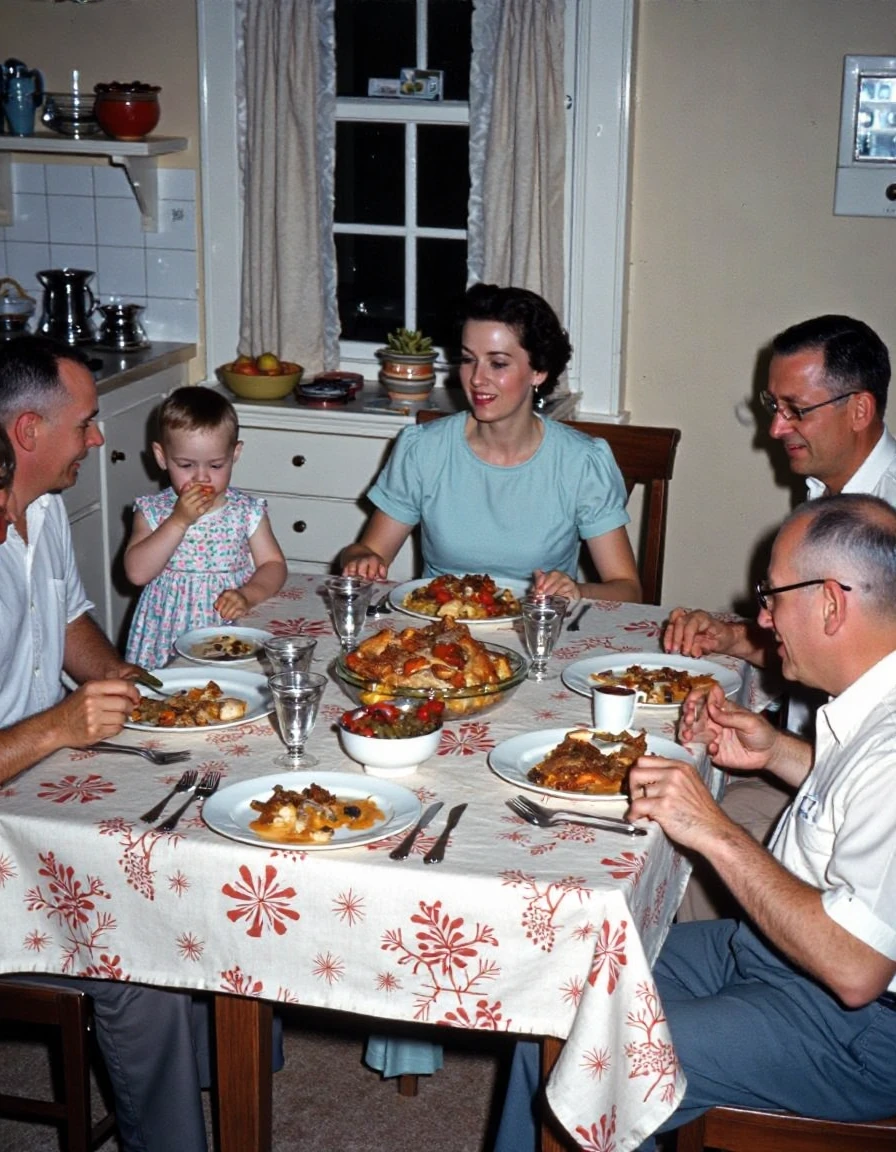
[151, 754]
[206, 786]
[533, 813]
[575, 623]
[183, 785]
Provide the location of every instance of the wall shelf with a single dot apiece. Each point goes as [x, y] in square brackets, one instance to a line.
[137, 158]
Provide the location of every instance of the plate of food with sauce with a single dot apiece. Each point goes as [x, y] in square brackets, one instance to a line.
[224, 645]
[664, 679]
[311, 811]
[478, 600]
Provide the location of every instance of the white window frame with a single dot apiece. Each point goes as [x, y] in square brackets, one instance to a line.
[600, 44]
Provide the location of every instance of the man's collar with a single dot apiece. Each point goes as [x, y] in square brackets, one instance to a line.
[846, 713]
[869, 472]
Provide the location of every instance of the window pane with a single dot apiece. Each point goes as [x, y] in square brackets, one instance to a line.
[373, 39]
[449, 45]
[369, 174]
[371, 286]
[441, 280]
[443, 176]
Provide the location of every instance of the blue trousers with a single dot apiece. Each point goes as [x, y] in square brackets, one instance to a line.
[749, 1030]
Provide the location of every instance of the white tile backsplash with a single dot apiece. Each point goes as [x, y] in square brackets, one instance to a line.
[171, 274]
[72, 220]
[30, 222]
[122, 272]
[83, 216]
[69, 179]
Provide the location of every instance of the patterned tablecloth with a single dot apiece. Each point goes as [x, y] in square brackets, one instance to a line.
[521, 929]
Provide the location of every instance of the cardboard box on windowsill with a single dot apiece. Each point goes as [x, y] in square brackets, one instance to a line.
[420, 84]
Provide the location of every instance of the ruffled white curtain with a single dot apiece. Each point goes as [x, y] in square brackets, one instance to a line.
[518, 145]
[287, 127]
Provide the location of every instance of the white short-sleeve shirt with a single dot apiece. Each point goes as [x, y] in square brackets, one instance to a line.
[40, 594]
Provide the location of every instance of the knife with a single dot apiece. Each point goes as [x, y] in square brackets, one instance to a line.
[437, 853]
[404, 848]
[147, 678]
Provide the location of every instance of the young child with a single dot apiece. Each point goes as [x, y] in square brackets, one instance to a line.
[204, 551]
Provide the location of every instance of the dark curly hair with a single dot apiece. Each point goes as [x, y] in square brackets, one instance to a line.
[7, 460]
[533, 320]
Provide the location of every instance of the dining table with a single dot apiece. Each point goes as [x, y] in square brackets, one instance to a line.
[539, 932]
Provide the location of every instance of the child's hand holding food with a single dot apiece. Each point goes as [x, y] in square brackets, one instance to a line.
[194, 501]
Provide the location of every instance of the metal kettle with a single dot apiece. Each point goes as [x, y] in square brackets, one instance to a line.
[120, 328]
[67, 306]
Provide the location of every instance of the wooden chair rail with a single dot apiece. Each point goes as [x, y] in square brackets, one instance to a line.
[749, 1130]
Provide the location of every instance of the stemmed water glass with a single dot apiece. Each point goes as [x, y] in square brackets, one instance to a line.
[542, 619]
[297, 697]
[349, 597]
[290, 653]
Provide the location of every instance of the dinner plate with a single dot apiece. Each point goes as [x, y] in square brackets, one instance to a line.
[249, 686]
[513, 758]
[577, 676]
[228, 811]
[184, 645]
[519, 588]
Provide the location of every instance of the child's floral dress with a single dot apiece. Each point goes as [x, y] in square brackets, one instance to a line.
[213, 555]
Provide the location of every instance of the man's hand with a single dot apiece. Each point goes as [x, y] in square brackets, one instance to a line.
[672, 793]
[734, 737]
[96, 711]
[697, 633]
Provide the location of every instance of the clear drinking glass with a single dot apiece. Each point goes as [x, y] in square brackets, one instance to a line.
[542, 619]
[290, 653]
[297, 697]
[349, 597]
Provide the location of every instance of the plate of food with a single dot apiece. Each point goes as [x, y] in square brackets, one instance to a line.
[225, 645]
[476, 599]
[313, 811]
[665, 680]
[579, 764]
[188, 699]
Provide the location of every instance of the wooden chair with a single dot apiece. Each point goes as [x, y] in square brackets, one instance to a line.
[645, 457]
[69, 1013]
[746, 1130]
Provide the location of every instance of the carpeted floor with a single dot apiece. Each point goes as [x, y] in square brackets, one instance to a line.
[325, 1099]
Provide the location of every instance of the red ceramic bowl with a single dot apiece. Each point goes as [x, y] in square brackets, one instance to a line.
[127, 115]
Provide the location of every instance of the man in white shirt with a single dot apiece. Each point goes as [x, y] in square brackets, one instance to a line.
[827, 394]
[795, 1008]
[48, 408]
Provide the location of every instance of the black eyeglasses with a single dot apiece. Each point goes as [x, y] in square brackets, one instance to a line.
[763, 592]
[790, 412]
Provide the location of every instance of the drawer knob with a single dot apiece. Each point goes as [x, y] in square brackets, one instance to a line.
[298, 461]
[299, 526]
[116, 456]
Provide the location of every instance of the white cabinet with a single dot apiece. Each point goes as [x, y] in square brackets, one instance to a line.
[313, 468]
[99, 505]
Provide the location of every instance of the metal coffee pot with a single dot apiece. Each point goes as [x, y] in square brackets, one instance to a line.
[120, 328]
[22, 91]
[67, 306]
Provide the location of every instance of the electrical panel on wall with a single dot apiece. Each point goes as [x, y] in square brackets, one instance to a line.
[866, 161]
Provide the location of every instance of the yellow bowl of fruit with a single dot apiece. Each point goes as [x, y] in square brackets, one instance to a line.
[264, 377]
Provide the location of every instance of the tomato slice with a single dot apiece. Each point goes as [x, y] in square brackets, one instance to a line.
[383, 711]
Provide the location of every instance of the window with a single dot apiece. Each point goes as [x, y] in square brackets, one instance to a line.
[402, 171]
[600, 36]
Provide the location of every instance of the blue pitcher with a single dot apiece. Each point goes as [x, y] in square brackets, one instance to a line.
[23, 91]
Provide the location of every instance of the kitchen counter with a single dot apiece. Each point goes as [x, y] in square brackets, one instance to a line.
[119, 368]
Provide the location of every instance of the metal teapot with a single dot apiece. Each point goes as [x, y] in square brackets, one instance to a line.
[22, 91]
[68, 305]
[120, 328]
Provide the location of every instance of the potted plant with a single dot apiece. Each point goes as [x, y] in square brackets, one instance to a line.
[407, 362]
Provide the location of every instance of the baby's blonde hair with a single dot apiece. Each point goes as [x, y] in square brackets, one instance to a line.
[197, 409]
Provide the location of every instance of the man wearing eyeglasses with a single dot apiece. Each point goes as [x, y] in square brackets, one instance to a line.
[795, 1007]
[826, 396]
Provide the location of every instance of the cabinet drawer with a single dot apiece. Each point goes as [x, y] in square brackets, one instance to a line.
[313, 463]
[311, 529]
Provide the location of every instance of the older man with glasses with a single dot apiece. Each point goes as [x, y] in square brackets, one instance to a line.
[793, 1008]
[826, 396]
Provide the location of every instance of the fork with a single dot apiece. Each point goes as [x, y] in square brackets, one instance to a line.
[575, 622]
[381, 608]
[547, 817]
[185, 783]
[206, 786]
[161, 758]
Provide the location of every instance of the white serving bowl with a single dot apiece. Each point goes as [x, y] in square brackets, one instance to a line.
[389, 758]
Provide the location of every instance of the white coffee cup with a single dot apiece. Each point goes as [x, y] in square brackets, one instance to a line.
[613, 707]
